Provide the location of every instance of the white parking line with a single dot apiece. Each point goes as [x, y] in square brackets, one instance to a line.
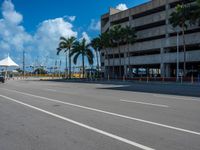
[144, 103]
[109, 113]
[82, 125]
[176, 97]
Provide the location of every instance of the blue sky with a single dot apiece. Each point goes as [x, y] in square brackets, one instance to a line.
[36, 25]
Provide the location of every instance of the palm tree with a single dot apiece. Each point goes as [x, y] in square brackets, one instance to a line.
[179, 18]
[81, 48]
[195, 13]
[129, 36]
[96, 44]
[117, 38]
[105, 44]
[66, 45]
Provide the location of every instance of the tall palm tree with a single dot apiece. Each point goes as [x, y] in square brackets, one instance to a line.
[66, 45]
[81, 48]
[117, 38]
[96, 44]
[194, 16]
[179, 18]
[129, 35]
[105, 44]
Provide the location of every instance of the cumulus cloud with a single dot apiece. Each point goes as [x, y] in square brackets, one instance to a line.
[9, 13]
[95, 25]
[122, 7]
[12, 34]
[40, 46]
[46, 38]
[70, 18]
[14, 38]
[85, 36]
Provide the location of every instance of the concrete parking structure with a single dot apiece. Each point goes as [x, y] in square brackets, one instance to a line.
[156, 47]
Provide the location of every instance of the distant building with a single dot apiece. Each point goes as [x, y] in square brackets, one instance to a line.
[156, 46]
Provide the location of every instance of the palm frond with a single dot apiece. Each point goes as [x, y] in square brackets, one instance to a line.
[90, 56]
[63, 39]
[62, 45]
[58, 51]
[75, 59]
[73, 52]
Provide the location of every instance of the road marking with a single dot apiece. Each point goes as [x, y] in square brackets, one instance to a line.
[176, 97]
[144, 103]
[109, 113]
[51, 90]
[82, 125]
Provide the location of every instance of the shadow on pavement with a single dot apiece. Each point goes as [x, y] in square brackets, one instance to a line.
[156, 88]
[179, 90]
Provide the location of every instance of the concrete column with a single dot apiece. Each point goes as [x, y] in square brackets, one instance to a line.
[162, 68]
[147, 71]
[137, 71]
[167, 7]
[167, 70]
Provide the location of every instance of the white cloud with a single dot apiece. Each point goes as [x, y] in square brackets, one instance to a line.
[85, 36]
[95, 25]
[72, 18]
[46, 38]
[9, 13]
[13, 36]
[41, 45]
[122, 7]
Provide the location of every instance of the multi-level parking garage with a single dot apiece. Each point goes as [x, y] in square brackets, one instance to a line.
[156, 48]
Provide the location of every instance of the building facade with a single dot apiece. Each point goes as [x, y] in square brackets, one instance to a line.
[155, 51]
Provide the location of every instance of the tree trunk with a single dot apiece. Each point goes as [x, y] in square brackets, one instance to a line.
[108, 69]
[66, 70]
[184, 48]
[129, 61]
[113, 68]
[99, 54]
[125, 66]
[97, 61]
[70, 64]
[120, 70]
[83, 63]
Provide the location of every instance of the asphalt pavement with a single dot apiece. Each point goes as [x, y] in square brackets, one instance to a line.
[51, 115]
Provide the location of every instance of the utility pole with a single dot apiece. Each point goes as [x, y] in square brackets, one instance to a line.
[23, 63]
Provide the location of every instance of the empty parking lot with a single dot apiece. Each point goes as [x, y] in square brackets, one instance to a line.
[47, 115]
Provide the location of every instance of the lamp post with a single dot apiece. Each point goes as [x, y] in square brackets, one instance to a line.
[23, 63]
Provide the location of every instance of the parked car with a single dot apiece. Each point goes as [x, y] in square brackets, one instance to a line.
[2, 79]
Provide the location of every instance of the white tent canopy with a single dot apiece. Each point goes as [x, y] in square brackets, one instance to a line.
[8, 62]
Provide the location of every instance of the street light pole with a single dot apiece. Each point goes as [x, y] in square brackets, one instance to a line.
[23, 63]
